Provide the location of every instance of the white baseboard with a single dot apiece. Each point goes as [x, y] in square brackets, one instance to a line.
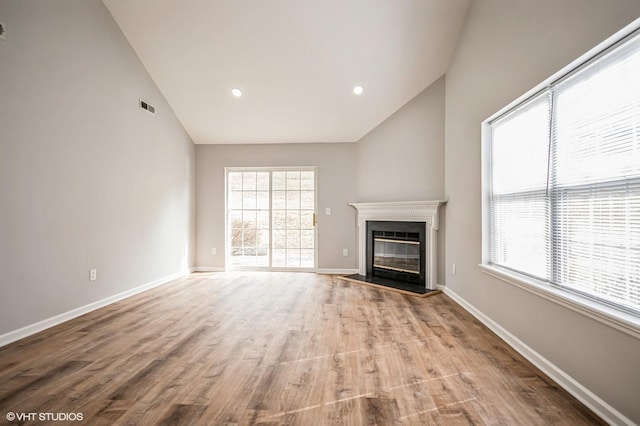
[208, 269]
[336, 271]
[39, 326]
[568, 383]
[319, 270]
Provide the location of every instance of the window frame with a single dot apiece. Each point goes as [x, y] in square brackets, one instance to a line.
[619, 319]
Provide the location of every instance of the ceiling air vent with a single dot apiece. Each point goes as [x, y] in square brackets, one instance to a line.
[147, 107]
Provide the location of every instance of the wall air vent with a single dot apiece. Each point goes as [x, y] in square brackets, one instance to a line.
[147, 107]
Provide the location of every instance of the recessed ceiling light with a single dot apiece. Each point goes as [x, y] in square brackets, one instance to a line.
[358, 90]
[236, 92]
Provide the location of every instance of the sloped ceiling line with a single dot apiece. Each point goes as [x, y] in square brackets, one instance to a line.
[295, 61]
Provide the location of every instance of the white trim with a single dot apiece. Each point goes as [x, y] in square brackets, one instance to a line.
[39, 326]
[208, 269]
[619, 320]
[409, 211]
[596, 404]
[330, 271]
[278, 269]
[270, 269]
[401, 211]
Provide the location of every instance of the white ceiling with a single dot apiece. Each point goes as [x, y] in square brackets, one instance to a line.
[296, 62]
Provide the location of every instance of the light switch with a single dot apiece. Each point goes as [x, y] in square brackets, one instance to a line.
[327, 211]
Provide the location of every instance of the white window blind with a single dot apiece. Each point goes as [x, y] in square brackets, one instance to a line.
[565, 181]
[519, 201]
[595, 184]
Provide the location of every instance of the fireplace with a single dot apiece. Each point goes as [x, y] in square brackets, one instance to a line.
[396, 251]
[397, 245]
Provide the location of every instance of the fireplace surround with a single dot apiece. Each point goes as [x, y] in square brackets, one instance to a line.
[399, 216]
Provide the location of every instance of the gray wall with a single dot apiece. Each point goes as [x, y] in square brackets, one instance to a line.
[336, 185]
[87, 180]
[505, 49]
[402, 159]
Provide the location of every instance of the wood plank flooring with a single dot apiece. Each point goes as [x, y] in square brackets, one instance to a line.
[279, 348]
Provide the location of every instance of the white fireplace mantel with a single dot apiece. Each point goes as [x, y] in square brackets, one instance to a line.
[401, 211]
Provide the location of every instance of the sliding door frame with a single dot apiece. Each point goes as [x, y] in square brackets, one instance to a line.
[227, 208]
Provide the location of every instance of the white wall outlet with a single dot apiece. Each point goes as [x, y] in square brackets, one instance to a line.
[345, 252]
[327, 211]
[214, 250]
[93, 274]
[453, 268]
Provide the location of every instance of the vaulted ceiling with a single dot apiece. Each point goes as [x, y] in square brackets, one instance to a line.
[295, 61]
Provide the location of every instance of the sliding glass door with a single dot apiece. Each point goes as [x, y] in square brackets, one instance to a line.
[271, 218]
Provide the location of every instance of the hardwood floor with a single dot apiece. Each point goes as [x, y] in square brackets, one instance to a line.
[279, 348]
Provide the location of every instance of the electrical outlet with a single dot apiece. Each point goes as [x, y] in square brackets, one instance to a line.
[93, 274]
[214, 250]
[345, 252]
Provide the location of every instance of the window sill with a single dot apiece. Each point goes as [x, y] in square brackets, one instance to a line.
[621, 321]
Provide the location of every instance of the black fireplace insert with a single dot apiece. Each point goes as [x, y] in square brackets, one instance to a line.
[396, 251]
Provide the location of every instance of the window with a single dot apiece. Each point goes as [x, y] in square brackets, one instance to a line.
[271, 218]
[563, 187]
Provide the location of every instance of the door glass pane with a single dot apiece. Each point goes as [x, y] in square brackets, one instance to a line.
[307, 200]
[248, 218]
[307, 181]
[293, 238]
[279, 257]
[263, 219]
[262, 201]
[279, 199]
[279, 219]
[306, 257]
[249, 200]
[279, 181]
[293, 181]
[235, 200]
[279, 239]
[262, 181]
[293, 258]
[293, 200]
[293, 219]
[235, 181]
[248, 181]
[306, 238]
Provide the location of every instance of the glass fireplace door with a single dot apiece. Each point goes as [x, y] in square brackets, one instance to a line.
[396, 255]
